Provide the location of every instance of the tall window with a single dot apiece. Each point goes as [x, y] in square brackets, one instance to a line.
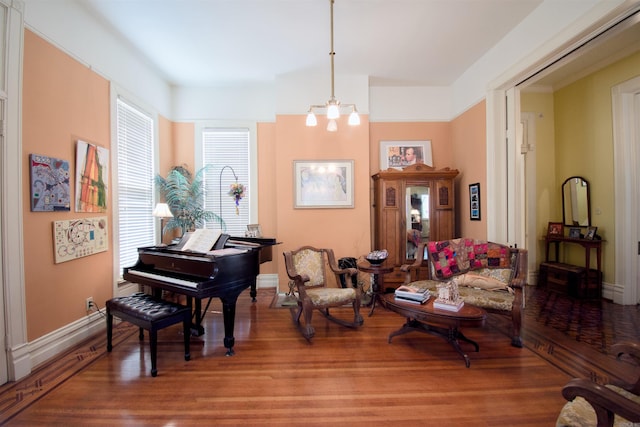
[225, 151]
[135, 181]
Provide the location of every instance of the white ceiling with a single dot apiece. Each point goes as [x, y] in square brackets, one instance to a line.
[395, 42]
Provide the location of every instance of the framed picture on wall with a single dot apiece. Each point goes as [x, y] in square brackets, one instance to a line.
[323, 184]
[474, 201]
[398, 154]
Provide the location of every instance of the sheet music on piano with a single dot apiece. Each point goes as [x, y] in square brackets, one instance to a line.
[200, 240]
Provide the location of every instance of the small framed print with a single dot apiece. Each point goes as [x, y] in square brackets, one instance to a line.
[253, 230]
[474, 202]
[556, 229]
[591, 233]
[574, 232]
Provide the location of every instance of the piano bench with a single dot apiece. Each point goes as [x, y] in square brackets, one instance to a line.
[152, 314]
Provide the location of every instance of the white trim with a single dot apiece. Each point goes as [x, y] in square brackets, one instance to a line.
[267, 281]
[55, 343]
[626, 189]
[11, 203]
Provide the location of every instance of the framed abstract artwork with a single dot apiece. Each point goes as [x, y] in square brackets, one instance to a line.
[323, 184]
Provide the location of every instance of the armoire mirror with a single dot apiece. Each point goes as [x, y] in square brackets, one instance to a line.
[576, 207]
[417, 203]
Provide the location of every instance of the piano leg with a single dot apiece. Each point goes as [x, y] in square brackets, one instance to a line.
[229, 315]
[253, 292]
[196, 326]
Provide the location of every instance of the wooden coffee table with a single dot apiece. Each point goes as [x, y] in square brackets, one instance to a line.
[442, 323]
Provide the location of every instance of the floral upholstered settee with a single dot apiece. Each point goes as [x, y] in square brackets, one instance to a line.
[489, 275]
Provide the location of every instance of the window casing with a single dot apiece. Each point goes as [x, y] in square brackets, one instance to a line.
[135, 172]
[226, 151]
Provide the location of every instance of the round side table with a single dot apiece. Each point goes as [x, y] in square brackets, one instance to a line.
[377, 270]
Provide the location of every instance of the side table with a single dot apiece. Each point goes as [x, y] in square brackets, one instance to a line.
[377, 270]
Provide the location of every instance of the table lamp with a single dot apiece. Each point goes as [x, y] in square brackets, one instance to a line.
[162, 211]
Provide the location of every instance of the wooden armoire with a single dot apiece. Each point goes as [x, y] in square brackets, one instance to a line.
[410, 206]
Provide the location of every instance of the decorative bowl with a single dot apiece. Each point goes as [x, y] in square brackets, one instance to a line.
[377, 257]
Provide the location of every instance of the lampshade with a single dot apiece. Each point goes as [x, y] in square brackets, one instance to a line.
[162, 211]
[333, 106]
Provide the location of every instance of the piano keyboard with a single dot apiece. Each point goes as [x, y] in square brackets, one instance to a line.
[162, 278]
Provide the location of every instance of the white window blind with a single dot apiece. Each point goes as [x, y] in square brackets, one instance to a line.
[135, 182]
[226, 151]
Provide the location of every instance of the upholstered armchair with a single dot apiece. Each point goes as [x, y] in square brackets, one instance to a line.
[306, 267]
[592, 404]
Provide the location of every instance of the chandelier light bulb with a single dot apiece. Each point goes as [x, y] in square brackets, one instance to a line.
[333, 111]
[354, 118]
[332, 126]
[311, 119]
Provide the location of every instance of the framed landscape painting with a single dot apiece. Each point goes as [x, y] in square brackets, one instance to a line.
[323, 184]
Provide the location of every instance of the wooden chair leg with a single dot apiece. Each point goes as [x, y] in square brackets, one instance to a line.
[109, 330]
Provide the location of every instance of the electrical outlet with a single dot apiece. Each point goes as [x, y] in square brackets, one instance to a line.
[89, 304]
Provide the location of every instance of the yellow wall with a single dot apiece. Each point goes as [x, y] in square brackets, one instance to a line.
[583, 146]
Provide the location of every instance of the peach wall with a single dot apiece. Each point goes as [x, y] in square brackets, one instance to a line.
[469, 143]
[267, 190]
[183, 138]
[165, 146]
[63, 101]
[344, 230]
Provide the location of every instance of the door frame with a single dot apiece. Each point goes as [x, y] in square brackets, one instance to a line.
[625, 99]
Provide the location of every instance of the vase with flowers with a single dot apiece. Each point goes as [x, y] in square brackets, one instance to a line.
[236, 190]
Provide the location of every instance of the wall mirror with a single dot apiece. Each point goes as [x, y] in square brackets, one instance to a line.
[576, 208]
[417, 211]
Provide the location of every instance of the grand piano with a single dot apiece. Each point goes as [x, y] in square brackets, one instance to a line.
[231, 267]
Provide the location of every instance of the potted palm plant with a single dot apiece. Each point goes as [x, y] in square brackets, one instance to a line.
[184, 194]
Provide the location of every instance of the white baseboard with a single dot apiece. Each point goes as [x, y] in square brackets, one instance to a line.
[38, 351]
[267, 281]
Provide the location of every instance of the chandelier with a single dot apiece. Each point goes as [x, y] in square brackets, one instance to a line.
[333, 106]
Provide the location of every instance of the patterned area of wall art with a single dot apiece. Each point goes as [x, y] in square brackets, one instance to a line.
[92, 176]
[50, 189]
[78, 238]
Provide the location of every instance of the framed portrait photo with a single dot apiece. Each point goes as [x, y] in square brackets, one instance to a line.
[323, 184]
[398, 154]
[555, 229]
[591, 233]
[574, 232]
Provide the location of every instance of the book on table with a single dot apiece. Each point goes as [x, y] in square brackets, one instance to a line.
[413, 293]
[412, 300]
[449, 306]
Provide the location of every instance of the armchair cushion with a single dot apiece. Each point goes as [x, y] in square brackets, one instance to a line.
[482, 281]
[331, 296]
[500, 300]
[579, 413]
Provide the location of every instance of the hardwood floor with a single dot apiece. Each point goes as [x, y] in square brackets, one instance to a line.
[343, 377]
